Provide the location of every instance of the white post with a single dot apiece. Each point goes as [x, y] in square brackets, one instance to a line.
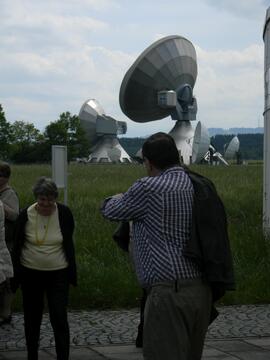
[59, 168]
[266, 168]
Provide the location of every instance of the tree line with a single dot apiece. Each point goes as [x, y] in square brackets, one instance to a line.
[21, 142]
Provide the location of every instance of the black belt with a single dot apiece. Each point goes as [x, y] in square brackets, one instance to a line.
[177, 284]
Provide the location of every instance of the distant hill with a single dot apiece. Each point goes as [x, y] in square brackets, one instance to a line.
[235, 131]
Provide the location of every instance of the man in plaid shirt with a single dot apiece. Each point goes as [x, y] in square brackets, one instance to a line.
[178, 304]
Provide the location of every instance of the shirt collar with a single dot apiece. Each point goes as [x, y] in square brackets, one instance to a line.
[172, 169]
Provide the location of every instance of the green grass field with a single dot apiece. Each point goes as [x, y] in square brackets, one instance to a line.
[106, 277]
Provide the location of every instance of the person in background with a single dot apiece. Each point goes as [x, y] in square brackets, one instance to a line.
[6, 268]
[44, 264]
[178, 305]
[10, 202]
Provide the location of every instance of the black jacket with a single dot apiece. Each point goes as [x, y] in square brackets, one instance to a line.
[66, 222]
[209, 244]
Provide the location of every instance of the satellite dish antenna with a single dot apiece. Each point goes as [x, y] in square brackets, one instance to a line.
[159, 84]
[232, 148]
[201, 143]
[102, 131]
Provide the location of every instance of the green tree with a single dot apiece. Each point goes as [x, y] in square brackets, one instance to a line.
[25, 133]
[27, 144]
[5, 135]
[67, 131]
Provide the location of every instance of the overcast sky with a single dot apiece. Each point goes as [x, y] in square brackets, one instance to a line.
[55, 54]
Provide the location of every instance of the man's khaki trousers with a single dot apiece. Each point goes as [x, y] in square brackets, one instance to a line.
[176, 320]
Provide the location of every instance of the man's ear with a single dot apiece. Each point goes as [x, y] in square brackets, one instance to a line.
[148, 162]
[150, 168]
[148, 165]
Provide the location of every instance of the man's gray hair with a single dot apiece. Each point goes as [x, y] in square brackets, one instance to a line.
[45, 187]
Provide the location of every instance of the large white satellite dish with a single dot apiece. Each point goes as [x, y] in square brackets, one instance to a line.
[160, 83]
[102, 131]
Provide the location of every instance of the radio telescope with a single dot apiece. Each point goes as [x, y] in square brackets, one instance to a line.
[102, 131]
[160, 84]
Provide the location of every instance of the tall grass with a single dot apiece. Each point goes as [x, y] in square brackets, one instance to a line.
[106, 276]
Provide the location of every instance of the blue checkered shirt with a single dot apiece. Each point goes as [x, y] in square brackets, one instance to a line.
[161, 210]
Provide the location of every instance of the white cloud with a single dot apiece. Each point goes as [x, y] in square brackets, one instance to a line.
[15, 6]
[28, 110]
[30, 64]
[241, 8]
[62, 82]
[230, 86]
[35, 25]
[55, 22]
[248, 57]
[100, 5]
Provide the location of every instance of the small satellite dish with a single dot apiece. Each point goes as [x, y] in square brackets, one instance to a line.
[160, 82]
[232, 148]
[201, 142]
[102, 131]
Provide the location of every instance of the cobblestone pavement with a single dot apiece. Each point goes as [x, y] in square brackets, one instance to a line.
[95, 328]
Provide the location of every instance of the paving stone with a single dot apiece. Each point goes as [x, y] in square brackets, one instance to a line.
[261, 342]
[114, 349]
[80, 353]
[22, 355]
[253, 355]
[221, 357]
[232, 346]
[85, 354]
[127, 352]
[128, 356]
[210, 352]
